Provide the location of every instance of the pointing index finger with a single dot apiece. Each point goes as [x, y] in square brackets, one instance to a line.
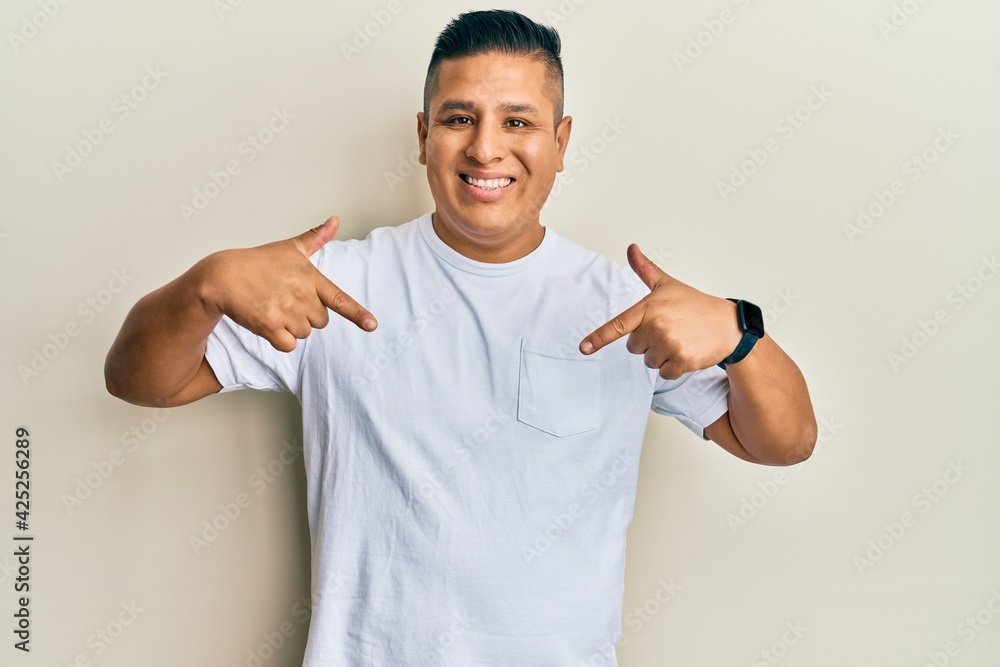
[624, 323]
[341, 303]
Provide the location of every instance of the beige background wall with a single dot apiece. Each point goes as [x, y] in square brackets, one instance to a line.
[844, 547]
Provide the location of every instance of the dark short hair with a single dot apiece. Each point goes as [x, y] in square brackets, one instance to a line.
[498, 31]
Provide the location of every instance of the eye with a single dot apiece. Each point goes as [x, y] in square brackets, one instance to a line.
[454, 118]
[518, 120]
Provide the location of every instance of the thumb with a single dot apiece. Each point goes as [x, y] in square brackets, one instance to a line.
[650, 273]
[317, 237]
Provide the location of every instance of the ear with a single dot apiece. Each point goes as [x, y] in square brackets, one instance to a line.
[562, 139]
[422, 137]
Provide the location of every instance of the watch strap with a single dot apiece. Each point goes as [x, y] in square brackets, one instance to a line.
[746, 343]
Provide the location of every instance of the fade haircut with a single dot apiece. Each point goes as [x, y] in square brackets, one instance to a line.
[498, 31]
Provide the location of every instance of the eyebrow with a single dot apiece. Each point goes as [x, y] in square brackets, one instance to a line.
[504, 107]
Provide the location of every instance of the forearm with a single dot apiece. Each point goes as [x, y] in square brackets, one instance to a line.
[769, 406]
[162, 342]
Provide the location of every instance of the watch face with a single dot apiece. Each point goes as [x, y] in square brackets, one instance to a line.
[753, 319]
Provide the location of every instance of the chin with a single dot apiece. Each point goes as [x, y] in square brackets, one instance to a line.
[485, 221]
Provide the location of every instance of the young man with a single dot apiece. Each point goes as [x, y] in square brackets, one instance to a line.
[472, 456]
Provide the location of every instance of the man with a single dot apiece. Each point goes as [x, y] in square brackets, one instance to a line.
[471, 456]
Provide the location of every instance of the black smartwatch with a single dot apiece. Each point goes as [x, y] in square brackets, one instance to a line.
[751, 323]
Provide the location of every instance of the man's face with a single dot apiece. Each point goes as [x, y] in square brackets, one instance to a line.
[491, 118]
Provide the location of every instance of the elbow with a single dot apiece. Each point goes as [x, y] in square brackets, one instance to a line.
[115, 390]
[802, 447]
[133, 399]
[109, 378]
[799, 454]
[112, 382]
[790, 451]
[136, 394]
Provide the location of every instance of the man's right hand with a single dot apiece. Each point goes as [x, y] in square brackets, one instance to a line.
[274, 290]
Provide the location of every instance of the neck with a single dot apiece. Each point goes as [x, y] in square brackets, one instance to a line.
[497, 252]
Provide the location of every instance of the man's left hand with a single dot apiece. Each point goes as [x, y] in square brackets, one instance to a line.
[676, 327]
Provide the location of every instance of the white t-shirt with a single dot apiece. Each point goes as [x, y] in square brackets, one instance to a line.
[471, 474]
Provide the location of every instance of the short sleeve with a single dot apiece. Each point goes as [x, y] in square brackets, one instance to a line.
[243, 360]
[696, 398]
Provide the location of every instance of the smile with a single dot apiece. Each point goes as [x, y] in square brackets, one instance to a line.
[491, 184]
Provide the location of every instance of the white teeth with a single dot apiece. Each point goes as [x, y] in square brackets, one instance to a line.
[491, 184]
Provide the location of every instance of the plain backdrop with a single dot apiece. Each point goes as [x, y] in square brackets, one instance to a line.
[834, 162]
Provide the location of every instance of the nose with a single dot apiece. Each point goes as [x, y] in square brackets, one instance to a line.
[487, 143]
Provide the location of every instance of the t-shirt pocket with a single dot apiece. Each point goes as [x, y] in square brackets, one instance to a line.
[559, 389]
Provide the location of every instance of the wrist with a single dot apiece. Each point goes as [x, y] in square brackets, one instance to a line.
[734, 335]
[750, 324]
